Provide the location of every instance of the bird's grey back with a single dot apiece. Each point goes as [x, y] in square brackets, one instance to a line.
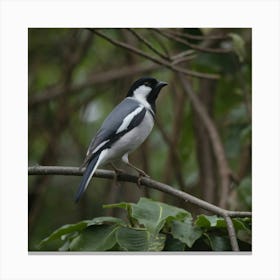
[112, 123]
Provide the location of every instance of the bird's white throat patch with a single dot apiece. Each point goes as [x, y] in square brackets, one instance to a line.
[141, 94]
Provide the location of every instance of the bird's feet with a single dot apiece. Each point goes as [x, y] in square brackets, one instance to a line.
[140, 176]
[143, 174]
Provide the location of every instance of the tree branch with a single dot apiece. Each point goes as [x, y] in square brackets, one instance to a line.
[165, 63]
[200, 48]
[147, 43]
[231, 233]
[55, 92]
[226, 175]
[150, 183]
[96, 78]
[198, 37]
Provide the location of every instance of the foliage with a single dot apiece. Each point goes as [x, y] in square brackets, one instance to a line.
[150, 226]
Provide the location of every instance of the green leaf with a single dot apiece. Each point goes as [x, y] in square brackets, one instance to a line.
[238, 46]
[67, 240]
[131, 239]
[218, 243]
[64, 230]
[186, 232]
[242, 224]
[173, 244]
[245, 236]
[126, 206]
[65, 246]
[153, 215]
[156, 242]
[123, 205]
[104, 220]
[95, 238]
[208, 222]
[205, 221]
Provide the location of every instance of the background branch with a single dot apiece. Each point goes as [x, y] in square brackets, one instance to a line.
[147, 43]
[198, 37]
[223, 166]
[200, 48]
[96, 78]
[107, 76]
[165, 63]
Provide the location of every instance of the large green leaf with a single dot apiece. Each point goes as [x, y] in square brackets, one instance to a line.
[131, 239]
[95, 238]
[173, 244]
[66, 230]
[153, 215]
[186, 232]
[242, 224]
[127, 207]
[218, 243]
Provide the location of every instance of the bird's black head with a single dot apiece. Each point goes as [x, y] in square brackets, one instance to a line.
[146, 90]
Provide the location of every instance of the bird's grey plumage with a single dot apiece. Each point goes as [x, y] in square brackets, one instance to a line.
[111, 124]
[124, 130]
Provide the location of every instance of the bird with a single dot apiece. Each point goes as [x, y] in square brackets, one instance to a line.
[123, 131]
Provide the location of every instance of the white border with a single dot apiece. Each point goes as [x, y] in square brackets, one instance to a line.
[17, 16]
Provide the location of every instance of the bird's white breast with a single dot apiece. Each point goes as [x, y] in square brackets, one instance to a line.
[131, 140]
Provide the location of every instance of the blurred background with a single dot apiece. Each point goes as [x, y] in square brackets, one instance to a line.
[77, 76]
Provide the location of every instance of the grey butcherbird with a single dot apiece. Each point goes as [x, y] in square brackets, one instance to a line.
[124, 130]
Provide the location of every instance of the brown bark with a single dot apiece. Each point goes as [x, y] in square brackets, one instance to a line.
[205, 159]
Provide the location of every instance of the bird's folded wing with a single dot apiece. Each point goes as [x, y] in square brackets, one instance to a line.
[125, 116]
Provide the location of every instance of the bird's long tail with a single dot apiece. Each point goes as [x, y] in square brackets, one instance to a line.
[90, 169]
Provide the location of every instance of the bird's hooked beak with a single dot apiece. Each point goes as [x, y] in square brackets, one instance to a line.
[159, 86]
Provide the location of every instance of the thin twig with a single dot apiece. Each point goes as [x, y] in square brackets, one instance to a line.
[147, 43]
[155, 59]
[183, 56]
[159, 40]
[101, 78]
[193, 46]
[198, 37]
[96, 78]
[231, 233]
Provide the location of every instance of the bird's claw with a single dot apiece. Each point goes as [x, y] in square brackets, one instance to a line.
[141, 175]
[119, 171]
